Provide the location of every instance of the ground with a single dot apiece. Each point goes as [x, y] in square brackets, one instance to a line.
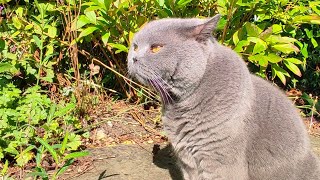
[129, 144]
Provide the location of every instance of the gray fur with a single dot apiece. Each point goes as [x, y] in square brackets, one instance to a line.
[223, 122]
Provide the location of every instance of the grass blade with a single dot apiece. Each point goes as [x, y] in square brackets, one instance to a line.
[49, 148]
[76, 155]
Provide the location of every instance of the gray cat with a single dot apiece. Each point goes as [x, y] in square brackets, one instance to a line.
[223, 122]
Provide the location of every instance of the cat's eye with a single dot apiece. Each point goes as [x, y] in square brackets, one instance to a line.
[135, 47]
[155, 48]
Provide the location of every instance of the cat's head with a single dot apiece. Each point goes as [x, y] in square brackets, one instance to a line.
[171, 54]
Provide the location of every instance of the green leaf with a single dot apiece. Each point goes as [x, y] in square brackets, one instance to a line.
[40, 172]
[63, 111]
[292, 68]
[5, 168]
[19, 11]
[24, 158]
[235, 38]
[37, 41]
[75, 142]
[76, 155]
[29, 26]
[91, 15]
[294, 60]
[16, 22]
[2, 44]
[160, 2]
[105, 37]
[314, 42]
[263, 62]
[65, 166]
[183, 3]
[64, 143]
[252, 30]
[52, 31]
[279, 73]
[273, 58]
[240, 45]
[49, 148]
[87, 31]
[313, 19]
[286, 48]
[265, 34]
[82, 21]
[120, 47]
[5, 67]
[276, 29]
[259, 46]
[279, 39]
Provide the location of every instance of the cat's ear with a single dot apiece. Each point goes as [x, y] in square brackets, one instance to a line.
[203, 31]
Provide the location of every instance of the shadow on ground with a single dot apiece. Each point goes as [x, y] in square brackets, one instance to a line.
[164, 158]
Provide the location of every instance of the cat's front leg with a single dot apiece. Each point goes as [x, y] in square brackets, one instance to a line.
[188, 166]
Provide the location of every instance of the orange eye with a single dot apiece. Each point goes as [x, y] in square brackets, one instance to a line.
[155, 48]
[135, 47]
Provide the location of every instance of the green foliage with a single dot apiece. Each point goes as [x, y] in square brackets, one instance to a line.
[267, 34]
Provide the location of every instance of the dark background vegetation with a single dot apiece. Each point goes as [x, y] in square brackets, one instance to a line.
[58, 59]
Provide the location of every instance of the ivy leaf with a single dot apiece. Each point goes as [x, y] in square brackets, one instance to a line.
[293, 68]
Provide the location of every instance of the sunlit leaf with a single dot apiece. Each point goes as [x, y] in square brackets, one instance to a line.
[16, 22]
[49, 148]
[105, 37]
[91, 15]
[273, 58]
[87, 31]
[76, 155]
[292, 68]
[252, 30]
[286, 48]
[293, 60]
[37, 41]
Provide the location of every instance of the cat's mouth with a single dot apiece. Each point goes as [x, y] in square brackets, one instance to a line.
[157, 83]
[162, 87]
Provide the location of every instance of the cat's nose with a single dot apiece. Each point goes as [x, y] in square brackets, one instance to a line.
[134, 59]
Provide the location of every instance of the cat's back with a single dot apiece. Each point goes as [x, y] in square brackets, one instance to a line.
[274, 112]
